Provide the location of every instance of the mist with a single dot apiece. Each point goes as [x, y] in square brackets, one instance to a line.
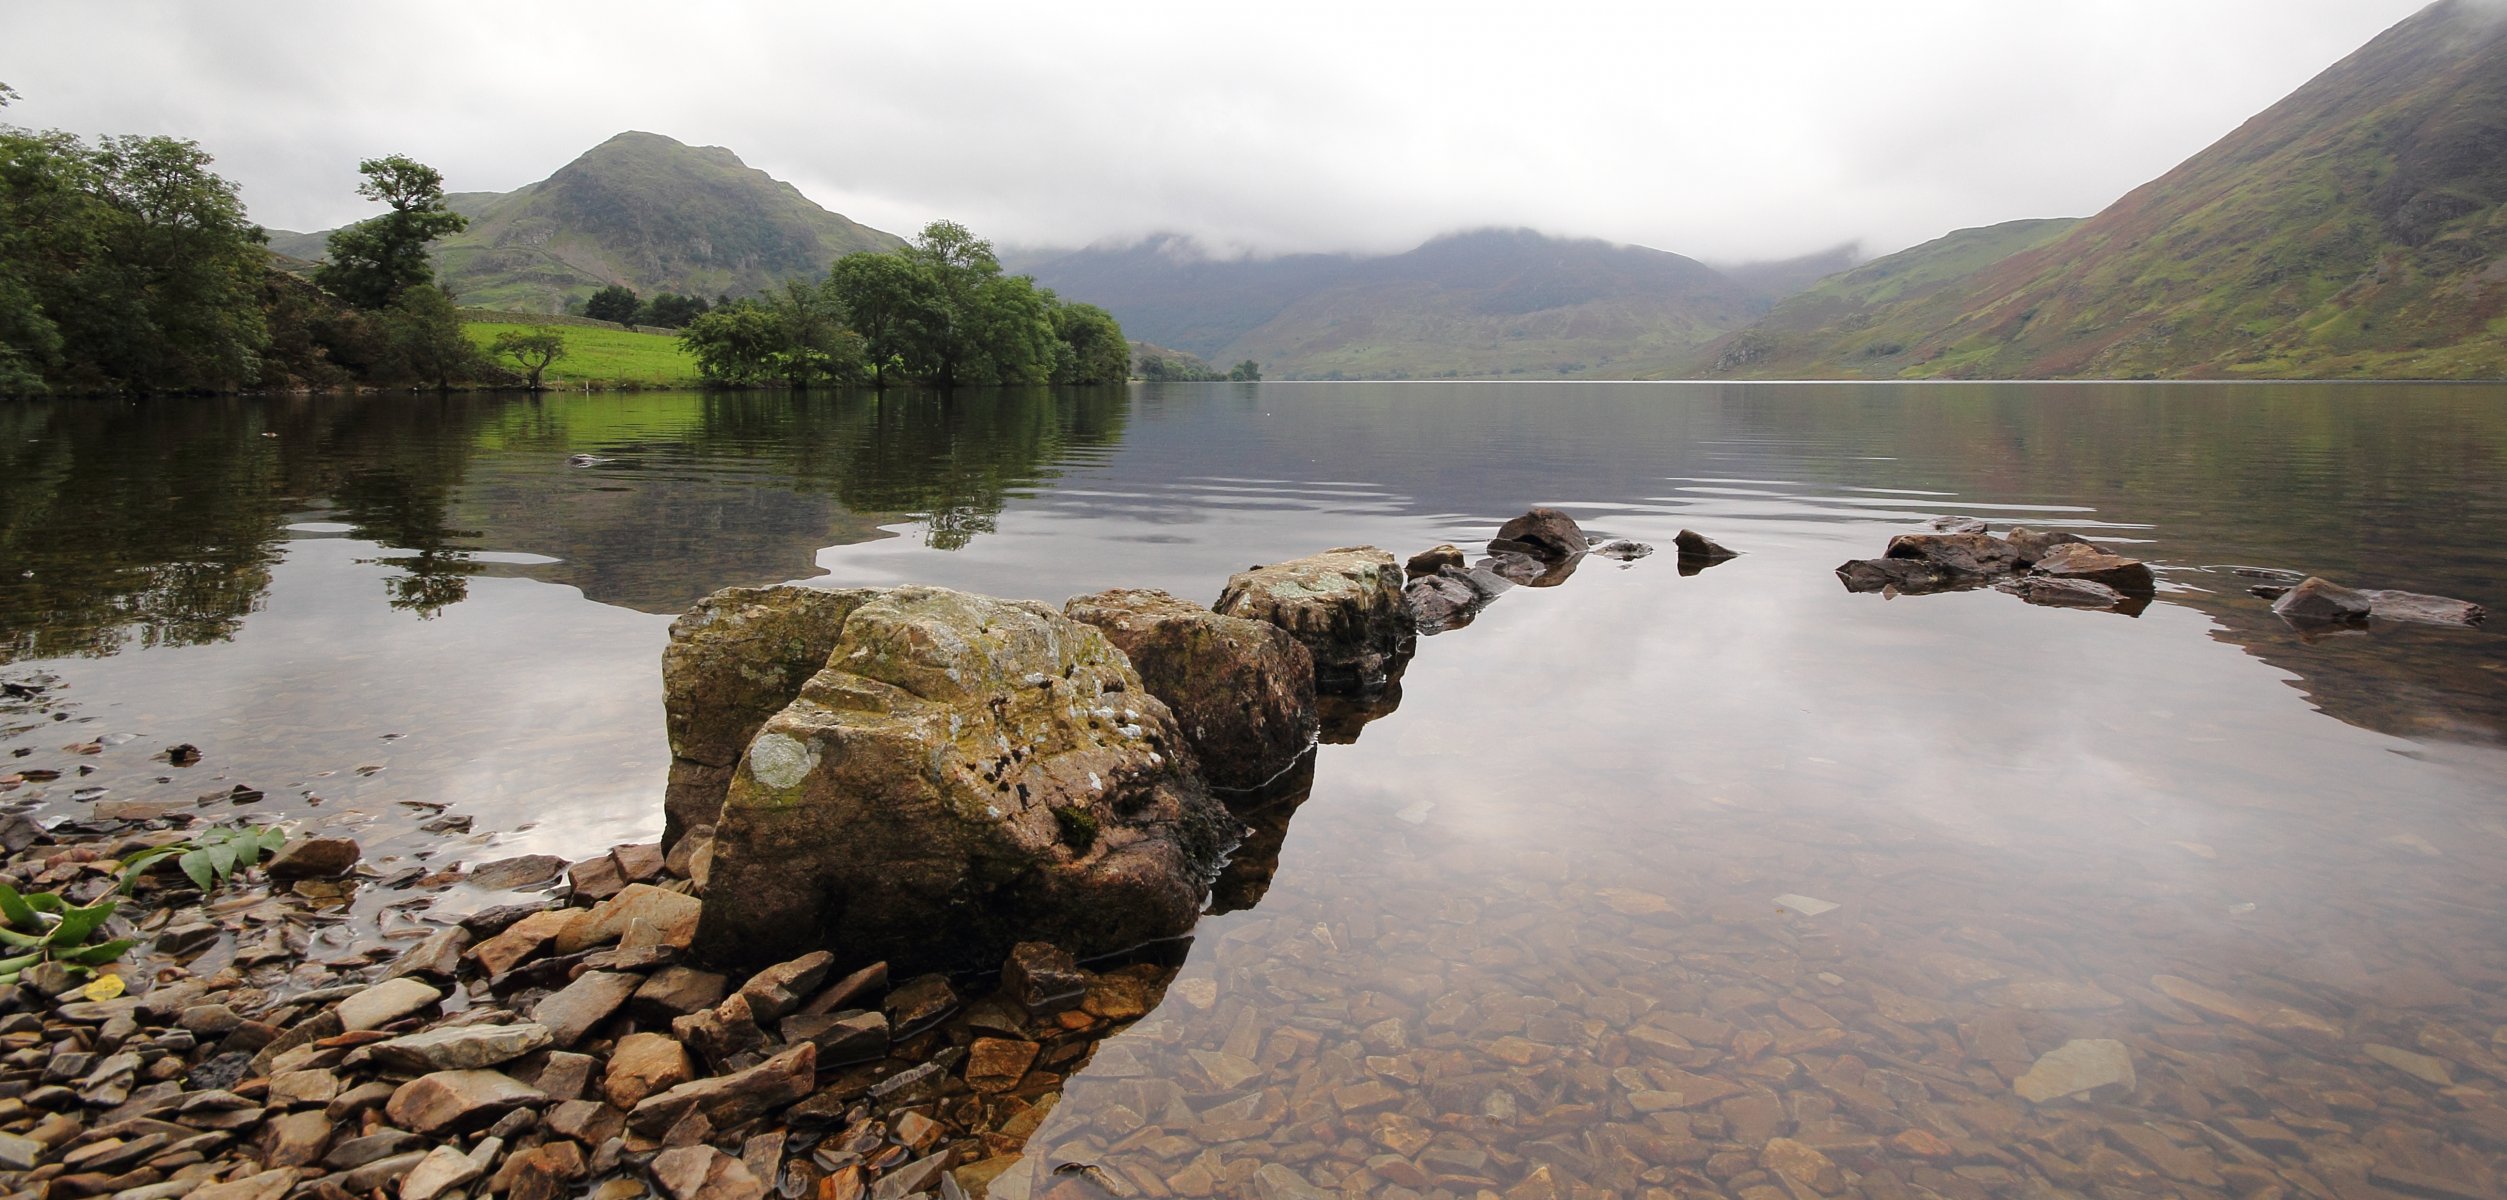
[1723, 131]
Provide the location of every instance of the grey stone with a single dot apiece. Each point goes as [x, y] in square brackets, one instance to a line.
[572, 1011]
[462, 1047]
[2081, 1066]
[385, 1003]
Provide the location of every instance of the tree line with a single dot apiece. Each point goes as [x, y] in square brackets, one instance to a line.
[937, 311]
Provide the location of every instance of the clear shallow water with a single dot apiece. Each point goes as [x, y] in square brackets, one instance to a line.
[1566, 842]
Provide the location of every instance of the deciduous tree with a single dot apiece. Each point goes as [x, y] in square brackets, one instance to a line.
[373, 261]
[613, 303]
[531, 349]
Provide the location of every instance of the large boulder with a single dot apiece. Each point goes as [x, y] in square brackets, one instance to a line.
[2033, 544]
[1242, 691]
[965, 774]
[734, 660]
[2319, 601]
[1543, 533]
[1345, 605]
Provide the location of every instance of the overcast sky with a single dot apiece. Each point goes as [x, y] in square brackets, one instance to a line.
[1722, 129]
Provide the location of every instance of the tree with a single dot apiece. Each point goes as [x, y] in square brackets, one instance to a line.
[734, 344]
[373, 261]
[1092, 343]
[613, 303]
[892, 304]
[670, 310]
[531, 349]
[424, 340]
[1247, 371]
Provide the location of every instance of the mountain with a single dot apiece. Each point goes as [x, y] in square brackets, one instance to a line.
[1484, 303]
[2356, 228]
[640, 209]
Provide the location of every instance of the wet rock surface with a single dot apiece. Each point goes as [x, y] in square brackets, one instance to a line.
[1242, 692]
[987, 759]
[1345, 606]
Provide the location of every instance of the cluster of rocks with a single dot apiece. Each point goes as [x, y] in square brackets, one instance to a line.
[2048, 567]
[1541, 548]
[529, 1050]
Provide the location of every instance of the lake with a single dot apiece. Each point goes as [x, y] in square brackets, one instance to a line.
[1522, 936]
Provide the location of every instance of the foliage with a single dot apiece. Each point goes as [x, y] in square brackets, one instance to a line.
[424, 342]
[616, 302]
[374, 261]
[1173, 366]
[125, 266]
[1247, 371]
[942, 311]
[1092, 349]
[532, 349]
[890, 303]
[671, 310]
[796, 337]
[210, 859]
[43, 927]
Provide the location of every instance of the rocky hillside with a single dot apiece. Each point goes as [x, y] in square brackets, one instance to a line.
[639, 209]
[1479, 304]
[2354, 229]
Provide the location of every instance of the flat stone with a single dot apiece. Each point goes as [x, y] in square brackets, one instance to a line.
[300, 1089]
[1043, 978]
[676, 991]
[1801, 1163]
[2076, 1067]
[268, 1185]
[777, 991]
[2208, 999]
[313, 858]
[997, 1064]
[2387, 605]
[919, 1003]
[521, 940]
[842, 1038]
[385, 1003]
[704, 1173]
[373, 1147]
[379, 1173]
[571, 1011]
[728, 1100]
[2431, 1071]
[461, 1047]
[2318, 601]
[296, 1139]
[543, 1172]
[2086, 563]
[452, 1101]
[507, 874]
[437, 956]
[595, 879]
[19, 1153]
[443, 1169]
[644, 1064]
[672, 914]
[639, 863]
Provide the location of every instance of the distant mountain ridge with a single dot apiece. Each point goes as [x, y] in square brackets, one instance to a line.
[642, 210]
[2357, 228]
[1484, 303]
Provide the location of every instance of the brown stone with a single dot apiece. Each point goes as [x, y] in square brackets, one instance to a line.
[643, 1064]
[1543, 533]
[572, 1011]
[2322, 602]
[777, 991]
[508, 874]
[727, 1100]
[1042, 978]
[1345, 605]
[1432, 560]
[674, 992]
[457, 1101]
[673, 916]
[520, 941]
[1242, 692]
[997, 1064]
[2092, 565]
[704, 1173]
[313, 858]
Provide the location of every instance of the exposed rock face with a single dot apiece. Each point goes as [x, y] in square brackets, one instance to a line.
[2083, 561]
[1242, 691]
[2320, 601]
[734, 660]
[1976, 555]
[2033, 544]
[965, 774]
[1345, 605]
[1544, 533]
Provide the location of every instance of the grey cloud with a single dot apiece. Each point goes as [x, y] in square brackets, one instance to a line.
[1724, 130]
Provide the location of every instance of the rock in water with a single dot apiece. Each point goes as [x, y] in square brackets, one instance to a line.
[1544, 533]
[966, 774]
[2033, 544]
[1345, 605]
[2079, 1067]
[1914, 576]
[2065, 593]
[2319, 601]
[313, 858]
[1697, 546]
[2086, 562]
[1243, 691]
[734, 660]
[1976, 555]
[1627, 551]
[1957, 525]
[2424, 610]
[1445, 600]
[1432, 560]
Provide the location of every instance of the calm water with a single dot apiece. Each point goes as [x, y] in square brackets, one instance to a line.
[1522, 936]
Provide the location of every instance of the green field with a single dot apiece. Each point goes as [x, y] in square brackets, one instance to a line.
[599, 355]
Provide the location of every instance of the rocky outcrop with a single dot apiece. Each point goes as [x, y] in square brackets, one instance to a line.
[2058, 570]
[1242, 691]
[734, 660]
[2033, 544]
[1345, 605]
[2090, 564]
[1974, 555]
[966, 774]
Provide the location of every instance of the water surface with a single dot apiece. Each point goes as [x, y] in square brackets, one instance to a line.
[1522, 936]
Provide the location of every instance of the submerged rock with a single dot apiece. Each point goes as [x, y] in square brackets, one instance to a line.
[734, 660]
[1345, 605]
[2319, 601]
[1543, 533]
[1242, 691]
[1698, 547]
[2066, 593]
[1520, 569]
[966, 774]
[2082, 1067]
[2418, 609]
[1624, 550]
[1957, 525]
[1451, 597]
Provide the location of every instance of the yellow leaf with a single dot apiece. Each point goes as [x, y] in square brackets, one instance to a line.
[105, 987]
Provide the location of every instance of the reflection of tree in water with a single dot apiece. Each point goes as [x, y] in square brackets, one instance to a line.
[957, 459]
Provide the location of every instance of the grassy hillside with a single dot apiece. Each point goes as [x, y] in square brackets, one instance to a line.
[639, 209]
[2356, 229]
[1488, 303]
[597, 352]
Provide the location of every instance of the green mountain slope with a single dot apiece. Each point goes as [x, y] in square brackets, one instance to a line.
[639, 209]
[2358, 228]
[1480, 304]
